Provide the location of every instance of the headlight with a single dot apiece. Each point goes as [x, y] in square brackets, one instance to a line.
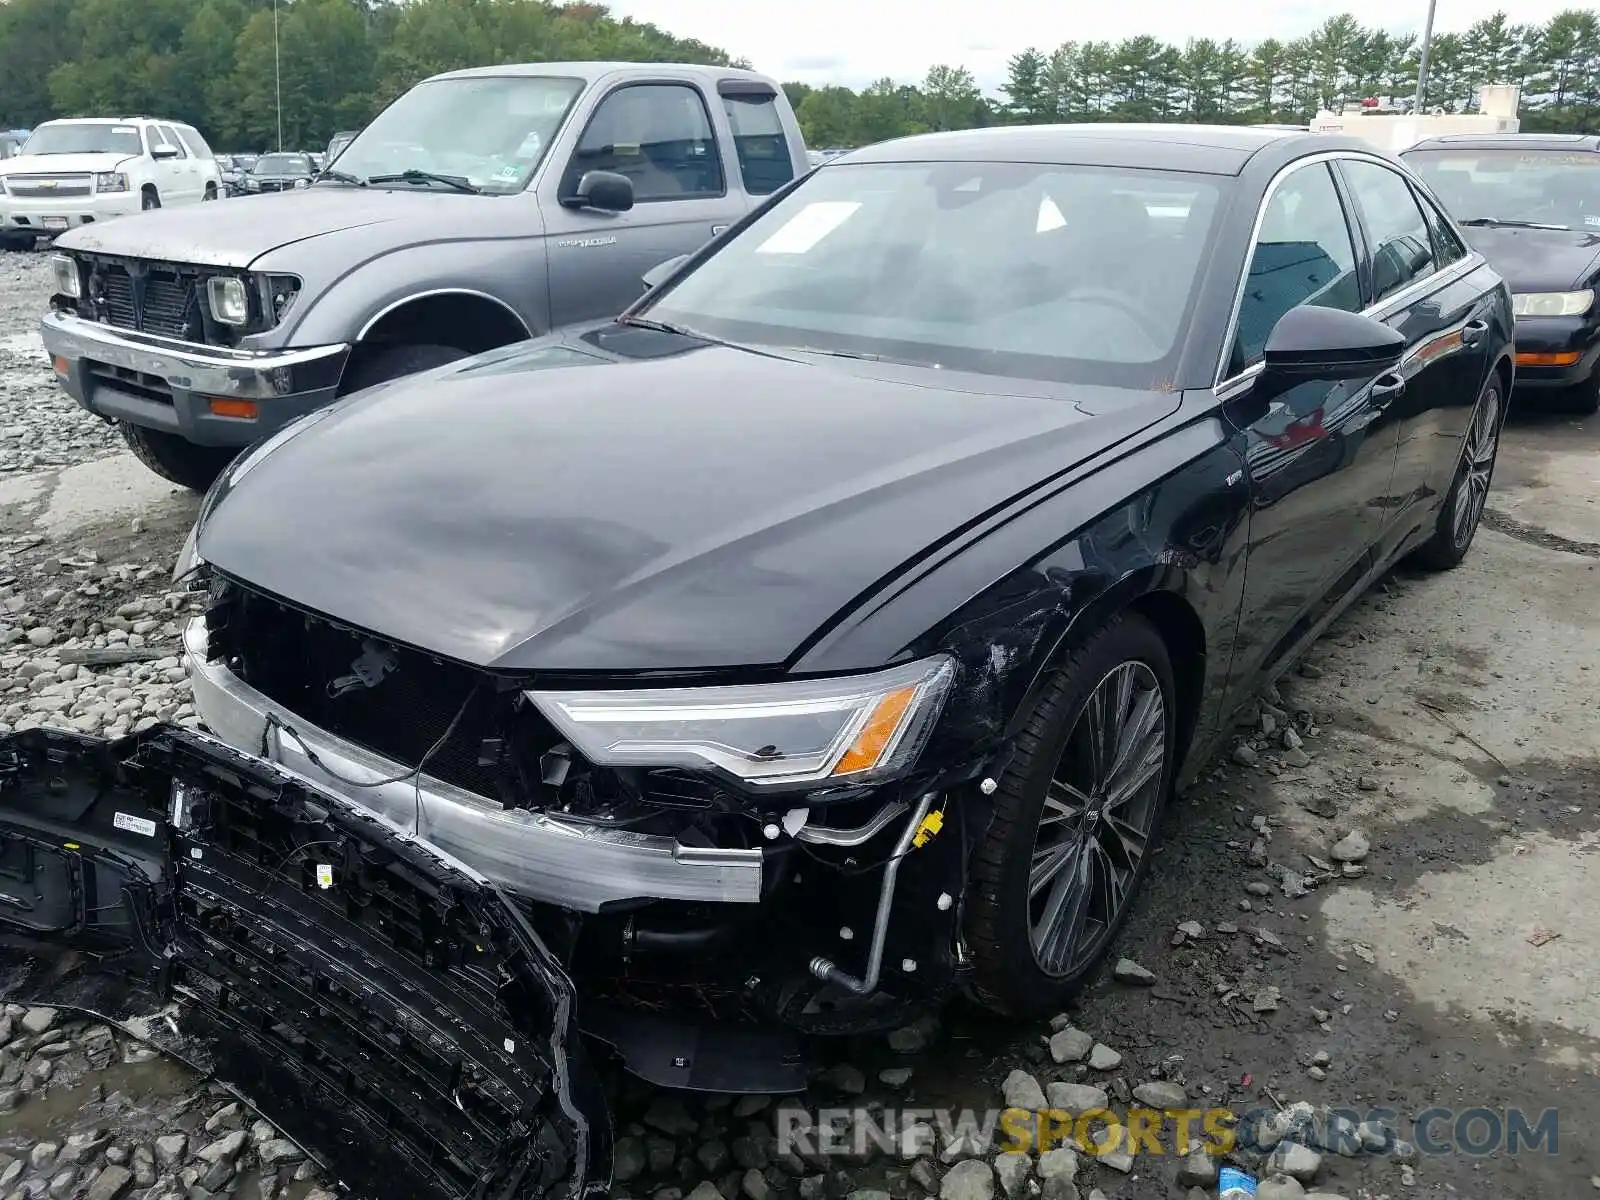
[230, 303]
[1552, 304]
[110, 181]
[300, 183]
[850, 730]
[68, 282]
[189, 556]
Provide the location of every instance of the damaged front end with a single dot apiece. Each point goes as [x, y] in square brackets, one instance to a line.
[387, 1007]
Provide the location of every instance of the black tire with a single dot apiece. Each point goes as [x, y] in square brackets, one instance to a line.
[380, 363]
[149, 199]
[175, 459]
[998, 921]
[1457, 523]
[17, 242]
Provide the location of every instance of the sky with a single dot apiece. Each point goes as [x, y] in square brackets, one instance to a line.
[853, 42]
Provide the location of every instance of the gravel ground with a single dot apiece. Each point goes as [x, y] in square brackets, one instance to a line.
[1382, 898]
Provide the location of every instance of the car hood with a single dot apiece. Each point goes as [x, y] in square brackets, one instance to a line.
[1539, 260]
[236, 234]
[560, 507]
[63, 164]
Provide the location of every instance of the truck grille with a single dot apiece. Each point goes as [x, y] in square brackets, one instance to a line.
[47, 186]
[148, 298]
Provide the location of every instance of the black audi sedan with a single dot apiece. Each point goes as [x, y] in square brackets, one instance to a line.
[1530, 202]
[843, 645]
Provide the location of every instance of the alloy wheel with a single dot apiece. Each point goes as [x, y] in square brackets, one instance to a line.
[1477, 465]
[1097, 818]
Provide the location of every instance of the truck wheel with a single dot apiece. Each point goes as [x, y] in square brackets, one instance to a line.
[175, 459]
[17, 241]
[379, 364]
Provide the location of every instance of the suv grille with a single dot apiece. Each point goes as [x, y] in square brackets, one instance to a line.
[50, 186]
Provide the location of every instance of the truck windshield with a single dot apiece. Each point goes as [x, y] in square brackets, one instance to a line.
[1069, 273]
[282, 164]
[85, 137]
[492, 131]
[1538, 187]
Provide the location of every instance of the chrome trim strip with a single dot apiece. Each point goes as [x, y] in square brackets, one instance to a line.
[213, 370]
[533, 855]
[1406, 295]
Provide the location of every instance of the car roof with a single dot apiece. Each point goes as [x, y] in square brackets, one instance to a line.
[1204, 149]
[591, 72]
[1510, 141]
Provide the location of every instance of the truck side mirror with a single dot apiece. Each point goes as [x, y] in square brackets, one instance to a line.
[604, 190]
[661, 272]
[162, 150]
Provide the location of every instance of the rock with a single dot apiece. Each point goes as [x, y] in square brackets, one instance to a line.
[814, 1187]
[1403, 1151]
[1245, 756]
[1161, 1094]
[38, 1020]
[1296, 1161]
[754, 1185]
[1013, 1169]
[1069, 1045]
[1279, 1187]
[41, 635]
[924, 1176]
[224, 1149]
[1022, 1090]
[1351, 848]
[61, 1183]
[864, 1194]
[913, 1038]
[970, 1180]
[279, 1152]
[169, 1149]
[1375, 1137]
[895, 1077]
[668, 1114]
[713, 1156]
[1104, 1058]
[1192, 930]
[1257, 888]
[1059, 1164]
[43, 1156]
[1075, 1099]
[706, 1190]
[1128, 971]
[1198, 1170]
[80, 1147]
[1266, 999]
[1117, 1160]
[627, 1159]
[844, 1078]
[749, 1106]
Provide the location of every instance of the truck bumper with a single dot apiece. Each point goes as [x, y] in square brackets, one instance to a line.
[50, 215]
[209, 395]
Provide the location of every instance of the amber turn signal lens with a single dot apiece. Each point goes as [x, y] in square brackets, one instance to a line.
[1560, 358]
[60, 365]
[877, 733]
[245, 410]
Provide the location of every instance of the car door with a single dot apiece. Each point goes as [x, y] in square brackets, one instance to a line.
[1319, 456]
[179, 178]
[1422, 285]
[660, 136]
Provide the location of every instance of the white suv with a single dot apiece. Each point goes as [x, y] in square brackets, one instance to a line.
[73, 172]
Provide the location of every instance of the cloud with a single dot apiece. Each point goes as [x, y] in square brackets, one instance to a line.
[853, 43]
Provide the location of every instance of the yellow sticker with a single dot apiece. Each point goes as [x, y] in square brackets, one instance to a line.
[324, 876]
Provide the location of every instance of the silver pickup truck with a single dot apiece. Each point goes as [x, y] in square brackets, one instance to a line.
[480, 208]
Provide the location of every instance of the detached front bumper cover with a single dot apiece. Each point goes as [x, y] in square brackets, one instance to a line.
[387, 1007]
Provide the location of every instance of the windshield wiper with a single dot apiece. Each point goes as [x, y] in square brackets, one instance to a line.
[340, 177]
[1509, 224]
[459, 182]
[862, 356]
[665, 327]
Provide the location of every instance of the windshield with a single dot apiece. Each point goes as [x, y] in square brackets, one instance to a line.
[1542, 187]
[489, 130]
[85, 137]
[1045, 272]
[282, 164]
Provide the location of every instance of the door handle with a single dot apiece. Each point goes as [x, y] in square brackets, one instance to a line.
[1385, 388]
[1472, 333]
[719, 230]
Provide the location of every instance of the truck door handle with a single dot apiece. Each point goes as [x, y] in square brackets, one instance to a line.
[1472, 333]
[719, 230]
[1385, 388]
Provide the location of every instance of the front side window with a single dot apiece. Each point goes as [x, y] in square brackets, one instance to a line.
[1303, 255]
[1531, 187]
[85, 137]
[1398, 238]
[760, 142]
[1011, 269]
[490, 131]
[166, 134]
[659, 136]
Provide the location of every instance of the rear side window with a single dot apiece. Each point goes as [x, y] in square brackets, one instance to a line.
[1400, 242]
[196, 144]
[760, 141]
[659, 136]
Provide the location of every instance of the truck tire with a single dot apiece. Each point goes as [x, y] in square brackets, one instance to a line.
[175, 459]
[18, 242]
[379, 364]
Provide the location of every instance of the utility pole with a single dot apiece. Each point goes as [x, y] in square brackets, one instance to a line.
[277, 69]
[1422, 64]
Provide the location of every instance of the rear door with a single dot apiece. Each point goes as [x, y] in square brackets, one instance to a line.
[660, 135]
[178, 178]
[1422, 283]
[1319, 455]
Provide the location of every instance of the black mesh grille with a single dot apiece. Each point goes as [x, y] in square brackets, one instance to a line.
[155, 299]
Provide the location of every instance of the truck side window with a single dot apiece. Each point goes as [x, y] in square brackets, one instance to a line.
[171, 139]
[758, 137]
[659, 136]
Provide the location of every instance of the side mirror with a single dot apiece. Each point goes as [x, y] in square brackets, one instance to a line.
[163, 151]
[661, 272]
[1315, 343]
[604, 190]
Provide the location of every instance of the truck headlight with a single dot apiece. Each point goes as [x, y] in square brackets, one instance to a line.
[1552, 304]
[302, 183]
[844, 730]
[68, 281]
[189, 556]
[110, 181]
[230, 303]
